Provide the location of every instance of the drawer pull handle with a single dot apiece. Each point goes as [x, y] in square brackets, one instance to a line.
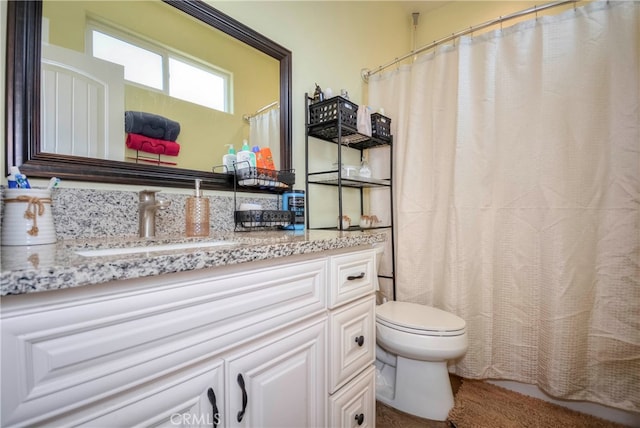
[360, 418]
[360, 340]
[214, 406]
[354, 277]
[244, 397]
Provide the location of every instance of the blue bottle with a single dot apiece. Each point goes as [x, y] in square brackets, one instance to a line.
[294, 201]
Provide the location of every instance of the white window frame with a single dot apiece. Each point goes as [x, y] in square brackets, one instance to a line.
[165, 53]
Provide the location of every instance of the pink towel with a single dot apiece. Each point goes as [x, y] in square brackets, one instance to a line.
[152, 145]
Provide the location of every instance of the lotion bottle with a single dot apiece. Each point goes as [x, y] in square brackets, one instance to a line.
[197, 213]
[229, 160]
[245, 157]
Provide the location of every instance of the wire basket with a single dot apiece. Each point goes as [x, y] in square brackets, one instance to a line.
[380, 127]
[263, 219]
[265, 178]
[330, 110]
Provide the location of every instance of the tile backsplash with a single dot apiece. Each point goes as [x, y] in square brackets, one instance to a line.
[88, 213]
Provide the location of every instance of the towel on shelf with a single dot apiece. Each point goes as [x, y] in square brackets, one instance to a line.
[151, 125]
[364, 120]
[152, 145]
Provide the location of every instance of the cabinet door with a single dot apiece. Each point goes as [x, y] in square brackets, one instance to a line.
[191, 397]
[355, 404]
[280, 382]
[205, 410]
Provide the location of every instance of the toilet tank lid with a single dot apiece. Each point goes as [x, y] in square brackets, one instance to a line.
[419, 317]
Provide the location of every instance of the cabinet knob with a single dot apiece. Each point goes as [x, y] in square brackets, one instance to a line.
[354, 277]
[360, 418]
[360, 340]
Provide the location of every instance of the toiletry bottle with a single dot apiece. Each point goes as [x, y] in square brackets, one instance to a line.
[260, 161]
[245, 157]
[197, 213]
[229, 160]
[294, 201]
[267, 156]
[12, 180]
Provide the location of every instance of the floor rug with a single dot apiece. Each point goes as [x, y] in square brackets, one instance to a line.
[484, 405]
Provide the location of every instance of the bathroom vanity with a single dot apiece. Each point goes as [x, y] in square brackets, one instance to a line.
[276, 331]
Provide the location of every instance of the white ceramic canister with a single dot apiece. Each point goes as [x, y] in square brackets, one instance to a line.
[27, 218]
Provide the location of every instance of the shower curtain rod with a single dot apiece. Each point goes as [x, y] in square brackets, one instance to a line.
[260, 110]
[366, 73]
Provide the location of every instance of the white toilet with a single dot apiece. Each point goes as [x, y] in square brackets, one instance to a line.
[414, 343]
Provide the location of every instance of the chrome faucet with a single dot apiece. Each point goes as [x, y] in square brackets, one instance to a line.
[147, 208]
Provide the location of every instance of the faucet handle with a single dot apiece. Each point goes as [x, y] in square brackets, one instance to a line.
[163, 203]
[147, 195]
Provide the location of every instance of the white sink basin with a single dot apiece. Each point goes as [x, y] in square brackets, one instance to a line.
[101, 252]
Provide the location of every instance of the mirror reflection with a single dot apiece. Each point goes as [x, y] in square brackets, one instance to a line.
[162, 90]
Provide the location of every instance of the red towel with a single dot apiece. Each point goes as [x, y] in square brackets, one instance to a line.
[152, 145]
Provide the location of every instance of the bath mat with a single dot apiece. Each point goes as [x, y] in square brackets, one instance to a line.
[483, 405]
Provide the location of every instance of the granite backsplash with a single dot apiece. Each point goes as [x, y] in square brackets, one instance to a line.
[89, 213]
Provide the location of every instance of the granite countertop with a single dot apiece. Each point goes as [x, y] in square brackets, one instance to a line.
[58, 266]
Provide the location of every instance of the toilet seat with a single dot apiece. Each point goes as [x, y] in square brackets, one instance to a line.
[419, 319]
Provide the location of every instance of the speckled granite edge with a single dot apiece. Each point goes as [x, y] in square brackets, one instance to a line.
[57, 266]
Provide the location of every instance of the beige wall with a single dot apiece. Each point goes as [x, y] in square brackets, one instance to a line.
[460, 15]
[332, 41]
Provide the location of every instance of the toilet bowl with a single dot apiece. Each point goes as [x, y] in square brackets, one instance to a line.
[414, 344]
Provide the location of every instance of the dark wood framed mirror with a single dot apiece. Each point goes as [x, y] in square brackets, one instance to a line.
[23, 127]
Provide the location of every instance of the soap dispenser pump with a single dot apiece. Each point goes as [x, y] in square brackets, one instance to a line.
[197, 213]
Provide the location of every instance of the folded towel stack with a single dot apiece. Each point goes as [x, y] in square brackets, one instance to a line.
[151, 125]
[152, 145]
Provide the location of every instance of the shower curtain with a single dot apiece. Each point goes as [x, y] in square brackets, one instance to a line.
[264, 131]
[517, 169]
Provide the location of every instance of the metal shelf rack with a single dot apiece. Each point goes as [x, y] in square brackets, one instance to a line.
[333, 121]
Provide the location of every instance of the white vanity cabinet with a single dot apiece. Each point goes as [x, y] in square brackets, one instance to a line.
[351, 303]
[145, 352]
[287, 342]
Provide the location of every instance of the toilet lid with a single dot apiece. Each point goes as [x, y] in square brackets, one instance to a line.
[420, 318]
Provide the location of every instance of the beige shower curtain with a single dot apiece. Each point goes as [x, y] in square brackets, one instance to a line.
[518, 198]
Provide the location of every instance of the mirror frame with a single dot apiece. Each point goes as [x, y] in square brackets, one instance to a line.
[24, 26]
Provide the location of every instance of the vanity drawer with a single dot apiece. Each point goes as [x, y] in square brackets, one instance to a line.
[352, 343]
[355, 404]
[94, 344]
[352, 277]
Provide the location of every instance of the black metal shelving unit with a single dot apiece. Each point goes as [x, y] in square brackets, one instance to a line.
[334, 121]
